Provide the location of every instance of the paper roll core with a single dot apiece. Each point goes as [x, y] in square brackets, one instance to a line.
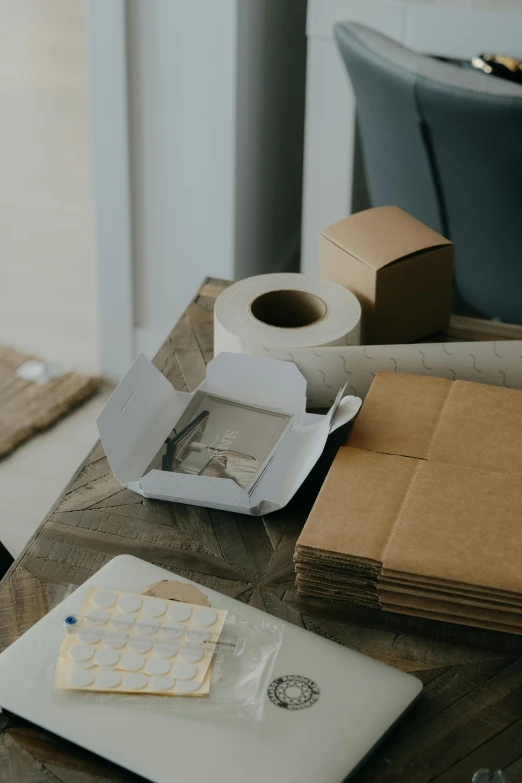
[289, 316]
[287, 309]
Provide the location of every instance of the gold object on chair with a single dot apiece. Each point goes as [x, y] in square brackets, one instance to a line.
[499, 65]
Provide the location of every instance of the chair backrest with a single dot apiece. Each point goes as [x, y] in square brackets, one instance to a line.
[445, 144]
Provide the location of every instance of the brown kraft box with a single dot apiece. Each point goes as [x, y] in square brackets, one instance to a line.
[421, 511]
[400, 270]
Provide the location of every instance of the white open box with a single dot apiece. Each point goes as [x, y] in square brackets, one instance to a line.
[145, 407]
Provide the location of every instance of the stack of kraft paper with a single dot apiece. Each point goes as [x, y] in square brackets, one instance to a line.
[421, 512]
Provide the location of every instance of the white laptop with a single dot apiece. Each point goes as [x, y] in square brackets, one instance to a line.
[356, 701]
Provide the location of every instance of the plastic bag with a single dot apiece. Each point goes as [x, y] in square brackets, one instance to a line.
[242, 673]
[243, 661]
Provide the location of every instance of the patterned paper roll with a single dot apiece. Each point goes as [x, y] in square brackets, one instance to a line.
[328, 369]
[329, 355]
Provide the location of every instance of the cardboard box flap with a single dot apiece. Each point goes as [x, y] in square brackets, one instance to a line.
[249, 379]
[400, 414]
[480, 426]
[382, 235]
[358, 519]
[137, 418]
[457, 422]
[459, 524]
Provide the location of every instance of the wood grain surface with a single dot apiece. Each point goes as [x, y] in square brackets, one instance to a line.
[470, 714]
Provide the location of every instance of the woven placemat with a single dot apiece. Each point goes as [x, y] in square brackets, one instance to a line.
[27, 406]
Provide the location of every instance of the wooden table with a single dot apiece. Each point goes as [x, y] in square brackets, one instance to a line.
[471, 713]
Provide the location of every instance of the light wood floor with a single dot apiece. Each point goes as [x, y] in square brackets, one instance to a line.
[47, 280]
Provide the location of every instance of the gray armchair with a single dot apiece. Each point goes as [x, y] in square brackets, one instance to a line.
[445, 144]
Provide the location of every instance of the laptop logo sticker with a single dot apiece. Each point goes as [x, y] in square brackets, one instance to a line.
[293, 692]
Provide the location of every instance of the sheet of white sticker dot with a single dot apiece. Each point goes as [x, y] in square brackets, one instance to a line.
[98, 616]
[157, 666]
[89, 635]
[166, 650]
[115, 640]
[161, 683]
[81, 677]
[126, 642]
[172, 630]
[179, 611]
[154, 607]
[82, 652]
[204, 616]
[130, 602]
[131, 662]
[108, 678]
[106, 657]
[183, 671]
[147, 626]
[122, 620]
[139, 645]
[135, 682]
[105, 599]
[191, 654]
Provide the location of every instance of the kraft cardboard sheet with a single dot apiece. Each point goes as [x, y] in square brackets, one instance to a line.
[421, 512]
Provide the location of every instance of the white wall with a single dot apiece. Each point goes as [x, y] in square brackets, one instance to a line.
[182, 71]
[214, 130]
[107, 79]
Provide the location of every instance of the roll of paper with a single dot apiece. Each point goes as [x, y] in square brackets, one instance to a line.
[326, 349]
[285, 311]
